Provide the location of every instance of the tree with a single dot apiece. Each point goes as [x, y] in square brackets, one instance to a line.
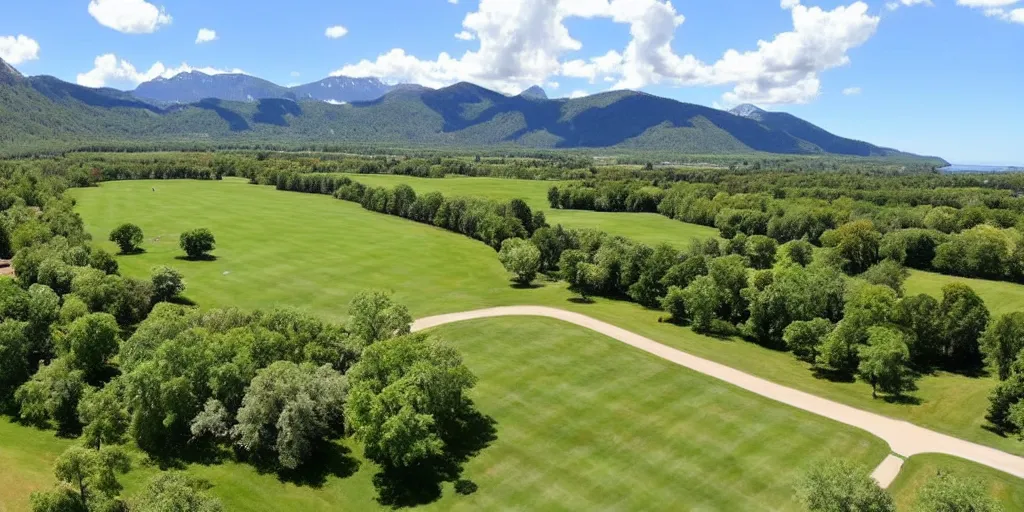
[947, 492]
[89, 343]
[14, 351]
[52, 394]
[761, 251]
[800, 252]
[963, 318]
[570, 265]
[675, 303]
[856, 242]
[103, 415]
[839, 486]
[520, 257]
[375, 316]
[197, 242]
[887, 273]
[168, 283]
[176, 491]
[918, 316]
[407, 395]
[883, 362]
[804, 337]
[289, 409]
[702, 300]
[103, 261]
[88, 480]
[1002, 342]
[128, 237]
[729, 275]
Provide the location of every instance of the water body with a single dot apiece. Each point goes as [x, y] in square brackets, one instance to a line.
[981, 168]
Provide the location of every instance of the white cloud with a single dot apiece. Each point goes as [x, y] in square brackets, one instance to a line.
[453, 2]
[554, 85]
[896, 4]
[336, 32]
[523, 42]
[206, 35]
[997, 9]
[578, 94]
[18, 49]
[129, 16]
[852, 91]
[296, 74]
[109, 70]
[465, 36]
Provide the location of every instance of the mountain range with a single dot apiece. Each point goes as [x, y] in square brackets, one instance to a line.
[195, 86]
[42, 108]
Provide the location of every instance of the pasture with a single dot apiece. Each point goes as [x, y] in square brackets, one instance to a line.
[315, 252]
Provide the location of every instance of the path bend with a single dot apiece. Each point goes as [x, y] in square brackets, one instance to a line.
[904, 438]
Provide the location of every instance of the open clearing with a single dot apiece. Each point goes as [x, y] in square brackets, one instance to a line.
[583, 422]
[312, 251]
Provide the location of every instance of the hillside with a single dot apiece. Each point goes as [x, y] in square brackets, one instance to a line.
[462, 115]
[804, 130]
[196, 86]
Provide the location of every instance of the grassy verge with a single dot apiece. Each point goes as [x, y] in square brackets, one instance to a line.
[1008, 489]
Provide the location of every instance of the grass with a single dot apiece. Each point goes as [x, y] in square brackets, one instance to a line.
[583, 422]
[315, 252]
[648, 228]
[1008, 489]
[1001, 297]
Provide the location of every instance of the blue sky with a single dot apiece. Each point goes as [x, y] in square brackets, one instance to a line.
[937, 77]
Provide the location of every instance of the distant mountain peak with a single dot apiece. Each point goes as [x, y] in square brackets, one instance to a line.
[535, 93]
[749, 111]
[9, 75]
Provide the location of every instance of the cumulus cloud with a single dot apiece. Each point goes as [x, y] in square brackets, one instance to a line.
[523, 42]
[206, 35]
[997, 9]
[129, 16]
[109, 70]
[852, 91]
[18, 49]
[336, 32]
[465, 36]
[578, 94]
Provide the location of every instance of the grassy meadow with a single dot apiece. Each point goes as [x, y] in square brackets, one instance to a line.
[583, 422]
[315, 252]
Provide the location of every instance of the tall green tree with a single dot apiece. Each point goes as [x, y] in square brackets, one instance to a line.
[375, 316]
[521, 258]
[884, 360]
[1003, 342]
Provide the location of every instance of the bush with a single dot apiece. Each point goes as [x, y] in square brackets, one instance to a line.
[127, 237]
[197, 243]
[168, 283]
[520, 257]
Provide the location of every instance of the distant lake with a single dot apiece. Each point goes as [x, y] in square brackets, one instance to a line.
[981, 168]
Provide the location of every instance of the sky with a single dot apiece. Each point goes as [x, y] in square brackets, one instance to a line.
[936, 77]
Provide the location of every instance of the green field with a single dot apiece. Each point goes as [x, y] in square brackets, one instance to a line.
[1009, 490]
[583, 422]
[1001, 297]
[648, 228]
[315, 252]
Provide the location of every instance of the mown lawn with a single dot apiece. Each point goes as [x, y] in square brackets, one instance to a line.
[315, 252]
[648, 228]
[583, 422]
[1001, 297]
[1008, 489]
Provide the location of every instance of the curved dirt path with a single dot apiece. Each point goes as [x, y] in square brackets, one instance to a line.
[904, 438]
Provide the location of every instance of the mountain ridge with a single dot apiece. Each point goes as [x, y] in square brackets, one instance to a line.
[461, 115]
